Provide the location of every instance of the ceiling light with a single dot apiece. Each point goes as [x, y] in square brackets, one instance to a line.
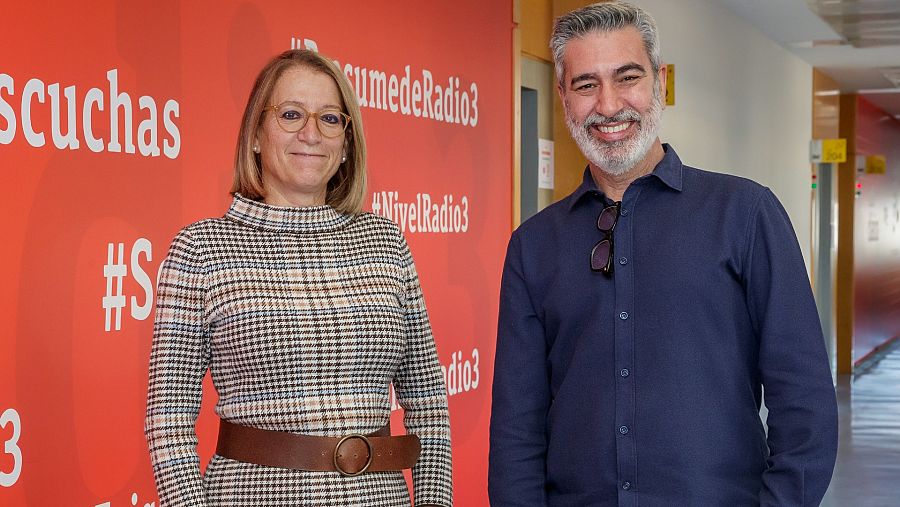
[872, 91]
[892, 74]
[820, 43]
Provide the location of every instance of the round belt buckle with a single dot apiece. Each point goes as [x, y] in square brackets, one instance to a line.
[338, 447]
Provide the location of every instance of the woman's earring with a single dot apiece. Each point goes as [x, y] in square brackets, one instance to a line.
[344, 159]
[255, 148]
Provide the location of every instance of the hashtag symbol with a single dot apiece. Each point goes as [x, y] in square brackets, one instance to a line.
[114, 272]
[376, 203]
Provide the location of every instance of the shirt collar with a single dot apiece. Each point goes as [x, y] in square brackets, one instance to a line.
[668, 171]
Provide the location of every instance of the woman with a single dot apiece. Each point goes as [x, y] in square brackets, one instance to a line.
[305, 310]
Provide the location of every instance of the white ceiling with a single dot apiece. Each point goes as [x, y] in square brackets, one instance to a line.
[865, 23]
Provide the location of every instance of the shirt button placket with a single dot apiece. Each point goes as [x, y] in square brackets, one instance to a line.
[623, 260]
[624, 430]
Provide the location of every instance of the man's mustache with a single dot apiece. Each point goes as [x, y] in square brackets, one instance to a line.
[624, 115]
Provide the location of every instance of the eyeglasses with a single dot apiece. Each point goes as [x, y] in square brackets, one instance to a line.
[292, 117]
[602, 253]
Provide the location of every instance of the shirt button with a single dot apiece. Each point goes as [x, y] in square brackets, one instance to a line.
[626, 485]
[623, 315]
[624, 372]
[623, 212]
[623, 429]
[623, 261]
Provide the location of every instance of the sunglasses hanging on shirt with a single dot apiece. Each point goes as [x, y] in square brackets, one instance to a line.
[602, 253]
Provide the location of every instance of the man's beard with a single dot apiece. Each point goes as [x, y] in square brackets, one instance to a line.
[618, 157]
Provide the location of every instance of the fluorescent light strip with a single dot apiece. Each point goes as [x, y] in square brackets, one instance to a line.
[878, 90]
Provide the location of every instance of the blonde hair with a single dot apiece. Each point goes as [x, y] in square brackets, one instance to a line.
[346, 189]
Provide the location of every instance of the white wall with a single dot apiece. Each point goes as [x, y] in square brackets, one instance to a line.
[743, 104]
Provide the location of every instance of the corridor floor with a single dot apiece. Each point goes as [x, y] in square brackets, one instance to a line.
[868, 465]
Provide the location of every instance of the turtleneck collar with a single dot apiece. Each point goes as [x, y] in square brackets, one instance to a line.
[260, 215]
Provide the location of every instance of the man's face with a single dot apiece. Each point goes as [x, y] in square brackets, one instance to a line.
[612, 98]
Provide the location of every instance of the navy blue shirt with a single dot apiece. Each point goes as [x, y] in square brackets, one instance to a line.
[644, 387]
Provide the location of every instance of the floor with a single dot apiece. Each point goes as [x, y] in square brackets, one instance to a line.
[868, 465]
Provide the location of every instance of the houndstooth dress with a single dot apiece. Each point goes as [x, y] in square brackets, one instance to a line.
[304, 317]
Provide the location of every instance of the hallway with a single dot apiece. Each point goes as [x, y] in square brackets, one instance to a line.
[868, 466]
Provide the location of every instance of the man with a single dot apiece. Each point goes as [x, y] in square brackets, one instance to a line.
[641, 316]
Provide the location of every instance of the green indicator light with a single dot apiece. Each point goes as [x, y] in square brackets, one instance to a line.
[814, 185]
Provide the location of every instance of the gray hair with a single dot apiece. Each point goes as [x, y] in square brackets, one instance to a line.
[603, 17]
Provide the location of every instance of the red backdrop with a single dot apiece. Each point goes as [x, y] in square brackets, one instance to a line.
[76, 315]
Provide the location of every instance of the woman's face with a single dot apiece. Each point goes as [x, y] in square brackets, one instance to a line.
[296, 166]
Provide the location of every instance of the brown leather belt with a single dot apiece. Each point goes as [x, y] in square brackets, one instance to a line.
[350, 455]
